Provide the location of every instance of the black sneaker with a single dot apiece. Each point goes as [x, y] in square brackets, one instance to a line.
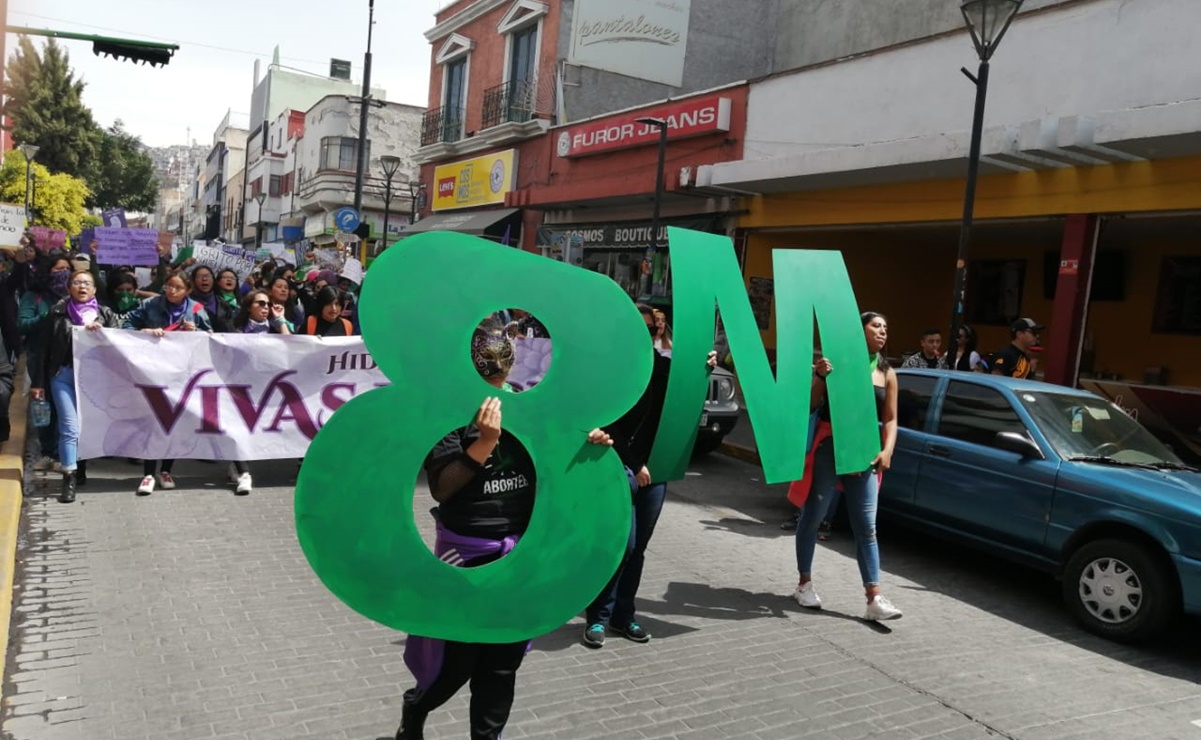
[632, 632]
[594, 636]
[789, 524]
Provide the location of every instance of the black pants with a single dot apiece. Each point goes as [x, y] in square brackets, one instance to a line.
[148, 466]
[492, 671]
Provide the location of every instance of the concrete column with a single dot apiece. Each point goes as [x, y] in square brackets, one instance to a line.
[1070, 312]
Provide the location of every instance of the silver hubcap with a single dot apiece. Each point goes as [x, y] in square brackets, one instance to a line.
[1111, 590]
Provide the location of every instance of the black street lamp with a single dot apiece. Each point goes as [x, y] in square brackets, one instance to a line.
[987, 20]
[390, 164]
[361, 155]
[661, 124]
[415, 191]
[258, 224]
[30, 151]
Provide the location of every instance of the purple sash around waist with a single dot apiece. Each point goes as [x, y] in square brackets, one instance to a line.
[423, 655]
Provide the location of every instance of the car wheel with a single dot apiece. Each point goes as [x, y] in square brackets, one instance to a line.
[1120, 590]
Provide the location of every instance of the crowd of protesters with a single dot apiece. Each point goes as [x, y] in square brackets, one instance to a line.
[44, 295]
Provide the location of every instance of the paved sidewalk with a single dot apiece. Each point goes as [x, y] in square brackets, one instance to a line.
[192, 614]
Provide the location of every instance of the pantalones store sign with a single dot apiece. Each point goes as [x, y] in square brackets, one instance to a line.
[646, 39]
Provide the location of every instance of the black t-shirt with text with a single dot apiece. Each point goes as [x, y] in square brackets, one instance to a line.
[499, 499]
[1012, 362]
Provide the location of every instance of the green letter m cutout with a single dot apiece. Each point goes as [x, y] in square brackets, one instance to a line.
[705, 273]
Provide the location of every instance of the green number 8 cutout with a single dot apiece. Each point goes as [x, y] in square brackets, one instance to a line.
[354, 500]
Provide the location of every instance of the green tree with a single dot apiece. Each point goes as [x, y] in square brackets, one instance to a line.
[60, 197]
[123, 174]
[45, 108]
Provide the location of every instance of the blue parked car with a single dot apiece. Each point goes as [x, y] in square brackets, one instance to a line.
[1054, 478]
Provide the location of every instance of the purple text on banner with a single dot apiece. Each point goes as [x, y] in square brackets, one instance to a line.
[126, 246]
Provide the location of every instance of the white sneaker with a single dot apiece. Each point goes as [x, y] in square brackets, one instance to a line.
[807, 597]
[166, 481]
[244, 484]
[147, 486]
[881, 609]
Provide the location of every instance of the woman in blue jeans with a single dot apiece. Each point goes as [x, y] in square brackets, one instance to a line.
[79, 308]
[633, 437]
[861, 490]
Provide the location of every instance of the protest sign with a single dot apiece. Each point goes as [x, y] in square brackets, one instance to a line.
[86, 237]
[353, 271]
[114, 218]
[371, 556]
[116, 246]
[193, 395]
[144, 276]
[219, 260]
[46, 239]
[12, 225]
[234, 249]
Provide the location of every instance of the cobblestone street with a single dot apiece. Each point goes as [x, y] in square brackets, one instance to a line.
[193, 614]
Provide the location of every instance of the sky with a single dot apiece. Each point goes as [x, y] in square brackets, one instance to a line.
[213, 71]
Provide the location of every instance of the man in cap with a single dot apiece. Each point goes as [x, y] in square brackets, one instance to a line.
[1014, 360]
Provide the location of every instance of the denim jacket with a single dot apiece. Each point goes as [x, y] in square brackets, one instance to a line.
[153, 314]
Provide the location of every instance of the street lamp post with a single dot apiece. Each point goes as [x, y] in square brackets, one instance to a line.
[361, 159]
[390, 165]
[987, 21]
[30, 151]
[258, 224]
[653, 246]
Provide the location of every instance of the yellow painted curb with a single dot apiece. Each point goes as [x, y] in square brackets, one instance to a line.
[12, 470]
[739, 452]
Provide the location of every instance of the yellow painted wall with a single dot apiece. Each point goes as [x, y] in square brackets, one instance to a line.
[1134, 187]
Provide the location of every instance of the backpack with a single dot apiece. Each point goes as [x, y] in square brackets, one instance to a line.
[310, 326]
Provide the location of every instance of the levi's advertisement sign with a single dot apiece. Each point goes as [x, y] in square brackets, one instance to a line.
[481, 181]
[685, 119]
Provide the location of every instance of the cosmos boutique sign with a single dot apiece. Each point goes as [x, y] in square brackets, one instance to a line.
[646, 39]
[688, 118]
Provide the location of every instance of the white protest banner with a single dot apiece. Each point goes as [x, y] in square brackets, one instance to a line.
[218, 260]
[12, 225]
[353, 271]
[194, 395]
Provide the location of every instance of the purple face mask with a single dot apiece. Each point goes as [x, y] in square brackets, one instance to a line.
[59, 282]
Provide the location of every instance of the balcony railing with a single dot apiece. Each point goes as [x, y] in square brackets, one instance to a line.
[442, 124]
[512, 102]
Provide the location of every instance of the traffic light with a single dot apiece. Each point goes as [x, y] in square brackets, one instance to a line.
[134, 51]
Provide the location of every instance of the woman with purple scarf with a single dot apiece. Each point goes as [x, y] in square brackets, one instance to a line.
[484, 482]
[79, 308]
